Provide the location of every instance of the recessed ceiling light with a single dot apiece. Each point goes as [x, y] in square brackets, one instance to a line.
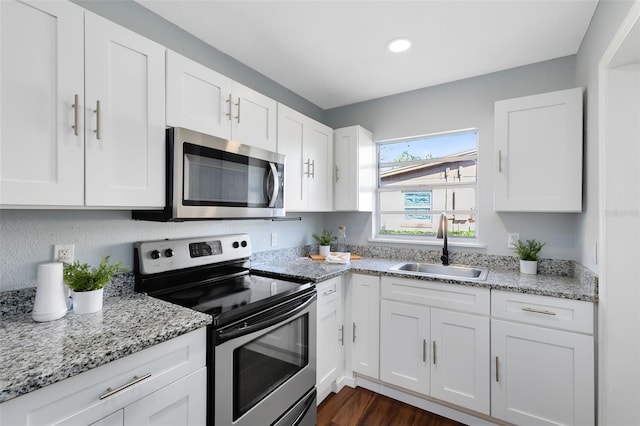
[399, 44]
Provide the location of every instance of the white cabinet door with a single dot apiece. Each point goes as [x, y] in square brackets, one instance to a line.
[541, 376]
[330, 353]
[354, 169]
[125, 116]
[460, 359]
[254, 118]
[404, 342]
[538, 149]
[308, 148]
[365, 329]
[41, 137]
[198, 98]
[318, 151]
[183, 402]
[114, 419]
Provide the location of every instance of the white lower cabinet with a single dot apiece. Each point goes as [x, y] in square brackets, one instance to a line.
[542, 369]
[365, 324]
[165, 384]
[436, 352]
[330, 336]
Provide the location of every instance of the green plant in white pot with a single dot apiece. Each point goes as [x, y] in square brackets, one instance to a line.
[528, 254]
[88, 283]
[324, 239]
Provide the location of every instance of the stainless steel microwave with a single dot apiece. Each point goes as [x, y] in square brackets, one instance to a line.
[214, 178]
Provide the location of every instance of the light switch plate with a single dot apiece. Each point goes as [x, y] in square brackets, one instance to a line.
[512, 238]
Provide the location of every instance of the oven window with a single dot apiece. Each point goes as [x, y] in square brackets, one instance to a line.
[263, 364]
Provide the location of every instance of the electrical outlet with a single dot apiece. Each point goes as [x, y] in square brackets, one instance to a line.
[274, 239]
[63, 253]
[512, 238]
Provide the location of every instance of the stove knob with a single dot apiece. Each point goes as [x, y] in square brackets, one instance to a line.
[168, 252]
[235, 244]
[243, 243]
[155, 254]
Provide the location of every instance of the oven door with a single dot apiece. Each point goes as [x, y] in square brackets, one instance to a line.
[265, 364]
[218, 178]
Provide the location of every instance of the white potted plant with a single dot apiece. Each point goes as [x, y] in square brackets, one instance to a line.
[324, 239]
[528, 254]
[88, 284]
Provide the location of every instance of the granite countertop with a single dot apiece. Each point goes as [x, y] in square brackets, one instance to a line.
[35, 355]
[576, 288]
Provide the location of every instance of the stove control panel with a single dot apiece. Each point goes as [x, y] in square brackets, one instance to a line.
[167, 255]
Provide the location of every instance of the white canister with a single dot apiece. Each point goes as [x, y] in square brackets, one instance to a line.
[51, 293]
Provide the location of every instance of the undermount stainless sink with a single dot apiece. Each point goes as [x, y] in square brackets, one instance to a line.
[441, 271]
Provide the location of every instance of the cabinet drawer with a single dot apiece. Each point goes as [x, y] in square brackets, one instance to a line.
[85, 398]
[565, 314]
[429, 293]
[329, 291]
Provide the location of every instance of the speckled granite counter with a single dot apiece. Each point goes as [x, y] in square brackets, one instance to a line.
[577, 288]
[34, 355]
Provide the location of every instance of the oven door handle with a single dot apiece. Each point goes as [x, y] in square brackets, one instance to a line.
[225, 335]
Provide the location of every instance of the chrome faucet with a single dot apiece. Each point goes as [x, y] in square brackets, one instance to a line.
[442, 233]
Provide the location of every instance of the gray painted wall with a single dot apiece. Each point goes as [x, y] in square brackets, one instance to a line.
[605, 22]
[466, 104]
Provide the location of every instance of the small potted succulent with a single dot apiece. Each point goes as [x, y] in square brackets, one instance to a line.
[87, 284]
[324, 239]
[528, 254]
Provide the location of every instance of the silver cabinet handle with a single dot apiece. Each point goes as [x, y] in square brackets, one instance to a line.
[135, 380]
[433, 355]
[424, 350]
[328, 292]
[229, 102]
[354, 332]
[97, 111]
[500, 160]
[76, 114]
[538, 311]
[308, 164]
[497, 368]
[238, 116]
[313, 169]
[342, 335]
[337, 174]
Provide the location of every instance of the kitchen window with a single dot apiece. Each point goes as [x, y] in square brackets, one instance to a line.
[421, 177]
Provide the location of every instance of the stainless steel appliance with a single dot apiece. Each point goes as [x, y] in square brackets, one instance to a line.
[262, 343]
[213, 178]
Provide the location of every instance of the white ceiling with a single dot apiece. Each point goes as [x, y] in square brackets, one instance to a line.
[333, 53]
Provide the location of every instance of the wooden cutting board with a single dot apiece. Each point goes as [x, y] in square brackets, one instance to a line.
[321, 258]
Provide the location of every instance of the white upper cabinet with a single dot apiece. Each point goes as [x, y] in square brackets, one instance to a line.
[538, 152]
[82, 110]
[308, 147]
[41, 136]
[125, 116]
[197, 97]
[354, 169]
[200, 99]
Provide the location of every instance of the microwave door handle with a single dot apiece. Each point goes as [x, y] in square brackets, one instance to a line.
[276, 188]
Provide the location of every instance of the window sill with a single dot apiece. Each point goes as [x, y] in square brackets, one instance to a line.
[438, 243]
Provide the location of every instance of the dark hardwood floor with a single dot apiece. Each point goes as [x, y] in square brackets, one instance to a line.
[361, 407]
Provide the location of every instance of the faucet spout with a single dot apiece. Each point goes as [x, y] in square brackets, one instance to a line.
[442, 234]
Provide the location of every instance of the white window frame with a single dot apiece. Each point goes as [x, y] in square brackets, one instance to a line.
[434, 213]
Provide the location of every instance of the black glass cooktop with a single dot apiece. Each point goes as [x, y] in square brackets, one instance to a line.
[235, 297]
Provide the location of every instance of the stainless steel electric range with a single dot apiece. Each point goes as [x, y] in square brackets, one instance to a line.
[262, 343]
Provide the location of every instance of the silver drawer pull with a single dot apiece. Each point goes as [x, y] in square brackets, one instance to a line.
[328, 292]
[97, 112]
[76, 114]
[538, 311]
[135, 380]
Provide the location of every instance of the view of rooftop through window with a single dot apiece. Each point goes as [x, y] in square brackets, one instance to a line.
[418, 178]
